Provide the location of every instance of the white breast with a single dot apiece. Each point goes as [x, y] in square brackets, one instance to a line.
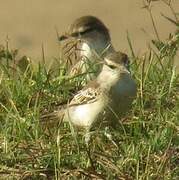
[84, 115]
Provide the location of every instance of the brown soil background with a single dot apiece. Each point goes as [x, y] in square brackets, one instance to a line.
[29, 24]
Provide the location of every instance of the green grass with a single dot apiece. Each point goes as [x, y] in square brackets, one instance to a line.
[147, 138]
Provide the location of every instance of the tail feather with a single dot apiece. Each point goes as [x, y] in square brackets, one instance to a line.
[52, 119]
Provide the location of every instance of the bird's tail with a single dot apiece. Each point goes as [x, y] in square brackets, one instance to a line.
[52, 119]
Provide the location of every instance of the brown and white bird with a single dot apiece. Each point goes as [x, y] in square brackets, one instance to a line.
[103, 100]
[85, 44]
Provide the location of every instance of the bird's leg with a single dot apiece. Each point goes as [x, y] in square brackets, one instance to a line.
[87, 138]
[87, 144]
[109, 136]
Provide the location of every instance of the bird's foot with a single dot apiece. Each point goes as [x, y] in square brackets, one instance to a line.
[109, 136]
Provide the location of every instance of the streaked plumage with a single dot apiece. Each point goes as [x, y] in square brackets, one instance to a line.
[104, 99]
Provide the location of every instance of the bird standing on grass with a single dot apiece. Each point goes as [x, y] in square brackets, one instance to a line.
[85, 45]
[103, 100]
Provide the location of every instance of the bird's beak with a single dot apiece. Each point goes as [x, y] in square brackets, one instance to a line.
[128, 69]
[125, 70]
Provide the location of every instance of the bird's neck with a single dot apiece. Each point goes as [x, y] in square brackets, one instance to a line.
[96, 47]
[106, 78]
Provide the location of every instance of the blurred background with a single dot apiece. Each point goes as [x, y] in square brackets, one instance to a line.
[29, 24]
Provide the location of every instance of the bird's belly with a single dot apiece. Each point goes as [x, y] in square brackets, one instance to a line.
[84, 115]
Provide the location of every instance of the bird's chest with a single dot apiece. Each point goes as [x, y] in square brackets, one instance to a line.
[85, 115]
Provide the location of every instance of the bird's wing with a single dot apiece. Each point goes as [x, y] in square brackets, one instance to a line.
[85, 96]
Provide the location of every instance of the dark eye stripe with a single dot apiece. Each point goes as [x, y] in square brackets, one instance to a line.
[76, 34]
[112, 66]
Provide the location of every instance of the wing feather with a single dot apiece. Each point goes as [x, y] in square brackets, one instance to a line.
[85, 96]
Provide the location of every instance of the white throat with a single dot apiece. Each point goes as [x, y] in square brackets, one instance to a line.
[107, 77]
[95, 48]
[85, 50]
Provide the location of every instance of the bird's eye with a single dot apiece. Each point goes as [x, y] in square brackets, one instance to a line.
[62, 38]
[112, 66]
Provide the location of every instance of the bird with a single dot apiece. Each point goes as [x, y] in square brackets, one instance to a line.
[103, 100]
[84, 46]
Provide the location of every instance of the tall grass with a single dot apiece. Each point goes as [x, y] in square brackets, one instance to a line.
[147, 139]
